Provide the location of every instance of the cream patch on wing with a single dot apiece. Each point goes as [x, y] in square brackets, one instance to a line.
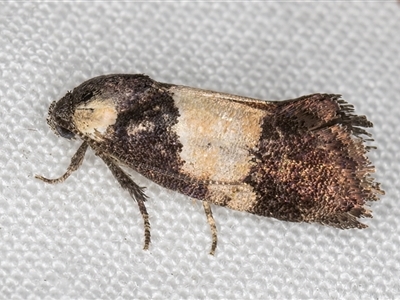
[238, 197]
[136, 128]
[216, 133]
[93, 118]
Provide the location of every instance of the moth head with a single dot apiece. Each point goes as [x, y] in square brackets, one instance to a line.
[91, 109]
[59, 117]
[86, 112]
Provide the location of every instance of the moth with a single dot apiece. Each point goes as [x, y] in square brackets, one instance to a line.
[299, 160]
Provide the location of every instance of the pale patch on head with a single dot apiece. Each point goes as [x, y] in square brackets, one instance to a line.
[94, 118]
[217, 134]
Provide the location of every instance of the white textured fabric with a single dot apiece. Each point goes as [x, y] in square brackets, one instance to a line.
[83, 238]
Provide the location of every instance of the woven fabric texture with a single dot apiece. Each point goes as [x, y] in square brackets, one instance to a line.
[83, 238]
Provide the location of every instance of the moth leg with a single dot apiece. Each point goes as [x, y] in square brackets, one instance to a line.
[213, 227]
[76, 162]
[136, 193]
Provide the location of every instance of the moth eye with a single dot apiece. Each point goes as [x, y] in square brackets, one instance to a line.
[65, 133]
[87, 97]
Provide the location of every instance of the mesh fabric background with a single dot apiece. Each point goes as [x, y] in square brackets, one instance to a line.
[83, 238]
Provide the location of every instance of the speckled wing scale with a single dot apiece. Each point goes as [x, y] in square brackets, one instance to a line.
[295, 160]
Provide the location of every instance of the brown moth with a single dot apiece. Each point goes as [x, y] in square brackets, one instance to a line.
[300, 160]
